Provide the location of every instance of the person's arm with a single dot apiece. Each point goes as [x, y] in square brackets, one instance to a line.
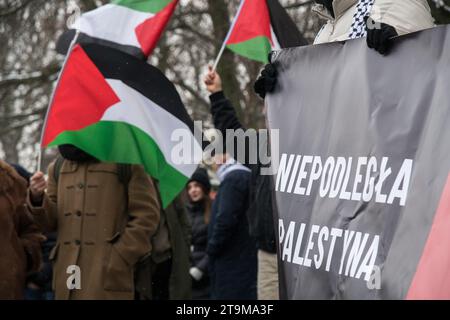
[202, 232]
[228, 215]
[222, 111]
[42, 199]
[203, 263]
[200, 269]
[225, 117]
[143, 211]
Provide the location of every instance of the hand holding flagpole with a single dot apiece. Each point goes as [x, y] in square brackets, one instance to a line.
[222, 49]
[52, 98]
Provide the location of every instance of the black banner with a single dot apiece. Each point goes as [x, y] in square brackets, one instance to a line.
[363, 185]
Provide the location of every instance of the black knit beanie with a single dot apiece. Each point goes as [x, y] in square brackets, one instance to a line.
[201, 176]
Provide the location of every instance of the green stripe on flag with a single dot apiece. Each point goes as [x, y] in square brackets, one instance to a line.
[257, 48]
[152, 6]
[130, 145]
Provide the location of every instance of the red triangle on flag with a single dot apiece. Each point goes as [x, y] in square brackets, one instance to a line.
[253, 21]
[149, 32]
[81, 98]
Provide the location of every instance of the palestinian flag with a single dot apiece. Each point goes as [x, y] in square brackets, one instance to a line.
[261, 26]
[132, 26]
[120, 109]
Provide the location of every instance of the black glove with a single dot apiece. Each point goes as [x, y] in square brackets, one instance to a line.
[267, 80]
[379, 36]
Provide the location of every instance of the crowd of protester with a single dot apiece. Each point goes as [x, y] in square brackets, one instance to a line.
[126, 245]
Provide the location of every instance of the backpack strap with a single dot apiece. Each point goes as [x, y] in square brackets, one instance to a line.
[124, 173]
[57, 168]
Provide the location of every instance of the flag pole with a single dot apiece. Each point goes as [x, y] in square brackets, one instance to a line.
[216, 62]
[52, 98]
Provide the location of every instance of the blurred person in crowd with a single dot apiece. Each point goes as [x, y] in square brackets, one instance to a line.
[20, 237]
[231, 249]
[169, 270]
[199, 209]
[39, 283]
[104, 215]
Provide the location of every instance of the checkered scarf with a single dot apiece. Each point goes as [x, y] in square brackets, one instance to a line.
[358, 28]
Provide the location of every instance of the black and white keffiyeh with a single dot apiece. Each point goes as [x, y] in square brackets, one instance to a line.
[358, 27]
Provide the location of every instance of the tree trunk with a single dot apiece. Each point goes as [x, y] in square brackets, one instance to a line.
[11, 139]
[440, 15]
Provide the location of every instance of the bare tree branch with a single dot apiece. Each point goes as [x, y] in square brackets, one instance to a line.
[19, 125]
[298, 5]
[194, 13]
[13, 10]
[23, 115]
[185, 27]
[31, 77]
[89, 4]
[193, 92]
[178, 81]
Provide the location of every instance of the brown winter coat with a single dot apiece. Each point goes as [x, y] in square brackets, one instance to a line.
[96, 229]
[19, 236]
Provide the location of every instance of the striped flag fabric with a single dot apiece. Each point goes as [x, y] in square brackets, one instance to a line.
[120, 109]
[132, 26]
[260, 27]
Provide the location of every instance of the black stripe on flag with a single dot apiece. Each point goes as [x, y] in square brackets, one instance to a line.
[64, 41]
[285, 29]
[139, 75]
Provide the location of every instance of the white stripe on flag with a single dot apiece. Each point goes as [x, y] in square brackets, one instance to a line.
[137, 110]
[113, 23]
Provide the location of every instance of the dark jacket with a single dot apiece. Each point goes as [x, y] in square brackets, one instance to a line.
[231, 250]
[164, 275]
[260, 214]
[199, 257]
[180, 240]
